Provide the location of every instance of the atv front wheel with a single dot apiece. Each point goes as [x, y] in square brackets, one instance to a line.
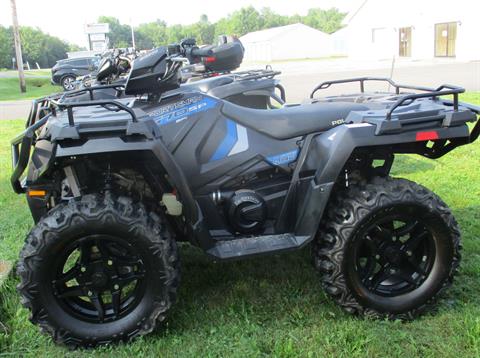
[387, 249]
[98, 270]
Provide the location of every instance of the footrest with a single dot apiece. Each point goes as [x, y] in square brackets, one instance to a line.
[257, 245]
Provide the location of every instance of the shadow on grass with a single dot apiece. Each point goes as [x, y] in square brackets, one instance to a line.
[407, 164]
[277, 293]
[261, 290]
[287, 288]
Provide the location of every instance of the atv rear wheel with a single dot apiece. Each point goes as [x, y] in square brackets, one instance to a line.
[387, 249]
[98, 270]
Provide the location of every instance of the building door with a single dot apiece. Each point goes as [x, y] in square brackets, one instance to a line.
[445, 37]
[405, 42]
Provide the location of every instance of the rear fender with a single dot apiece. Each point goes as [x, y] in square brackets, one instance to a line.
[330, 151]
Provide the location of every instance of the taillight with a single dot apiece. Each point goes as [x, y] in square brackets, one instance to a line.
[424, 136]
[209, 59]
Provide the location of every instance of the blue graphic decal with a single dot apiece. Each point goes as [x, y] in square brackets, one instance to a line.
[227, 143]
[283, 158]
[178, 111]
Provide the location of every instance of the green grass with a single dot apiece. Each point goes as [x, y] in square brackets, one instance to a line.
[274, 306]
[36, 87]
[42, 72]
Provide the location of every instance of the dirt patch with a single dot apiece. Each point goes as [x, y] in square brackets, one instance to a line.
[5, 268]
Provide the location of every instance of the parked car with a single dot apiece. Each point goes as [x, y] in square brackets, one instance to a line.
[65, 72]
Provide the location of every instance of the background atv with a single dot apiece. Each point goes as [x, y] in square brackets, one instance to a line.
[209, 71]
[113, 185]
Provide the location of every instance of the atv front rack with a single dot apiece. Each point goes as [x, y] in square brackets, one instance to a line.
[21, 146]
[42, 109]
[119, 88]
[42, 106]
[105, 103]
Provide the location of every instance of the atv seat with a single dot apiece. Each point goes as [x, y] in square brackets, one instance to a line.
[294, 121]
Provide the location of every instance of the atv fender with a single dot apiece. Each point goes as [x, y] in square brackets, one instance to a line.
[192, 211]
[330, 152]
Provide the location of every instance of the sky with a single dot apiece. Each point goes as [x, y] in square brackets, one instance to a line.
[66, 19]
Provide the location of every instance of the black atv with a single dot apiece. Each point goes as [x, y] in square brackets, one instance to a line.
[113, 185]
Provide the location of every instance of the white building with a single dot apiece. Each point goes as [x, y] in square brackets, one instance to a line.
[416, 29]
[296, 41]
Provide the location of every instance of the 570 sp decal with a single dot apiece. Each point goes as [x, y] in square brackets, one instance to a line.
[178, 111]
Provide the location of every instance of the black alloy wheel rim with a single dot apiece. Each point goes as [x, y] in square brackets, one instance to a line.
[99, 278]
[393, 255]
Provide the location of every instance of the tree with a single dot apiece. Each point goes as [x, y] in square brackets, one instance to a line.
[41, 48]
[176, 33]
[54, 49]
[45, 49]
[151, 35]
[271, 19]
[120, 35]
[203, 31]
[246, 20]
[324, 20]
[6, 47]
[37, 47]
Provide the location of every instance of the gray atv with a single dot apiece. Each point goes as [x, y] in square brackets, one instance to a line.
[114, 184]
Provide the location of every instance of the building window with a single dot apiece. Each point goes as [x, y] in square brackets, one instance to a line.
[405, 42]
[445, 37]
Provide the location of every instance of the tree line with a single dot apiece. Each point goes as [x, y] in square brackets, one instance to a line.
[238, 23]
[39, 47]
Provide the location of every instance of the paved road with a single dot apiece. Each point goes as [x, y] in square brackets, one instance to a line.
[299, 78]
[28, 74]
[299, 85]
[14, 109]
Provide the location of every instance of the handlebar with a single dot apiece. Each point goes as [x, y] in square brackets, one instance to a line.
[202, 52]
[188, 48]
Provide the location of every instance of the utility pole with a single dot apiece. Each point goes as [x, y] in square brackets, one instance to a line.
[133, 34]
[18, 47]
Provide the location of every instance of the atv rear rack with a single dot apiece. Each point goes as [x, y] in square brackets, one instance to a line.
[362, 80]
[386, 125]
[255, 74]
[252, 75]
[443, 90]
[434, 93]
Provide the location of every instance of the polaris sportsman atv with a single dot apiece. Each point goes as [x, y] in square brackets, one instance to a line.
[113, 185]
